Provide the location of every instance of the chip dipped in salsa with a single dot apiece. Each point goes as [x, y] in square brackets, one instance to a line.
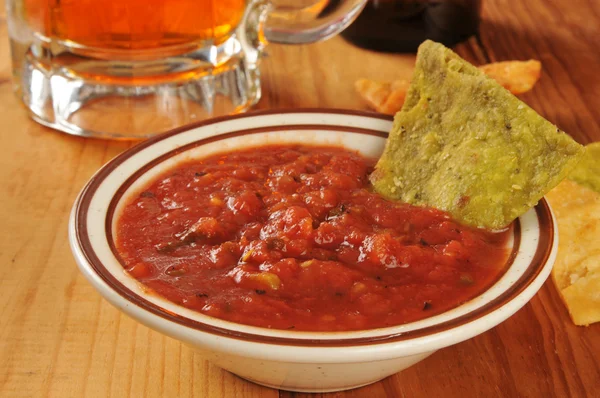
[293, 237]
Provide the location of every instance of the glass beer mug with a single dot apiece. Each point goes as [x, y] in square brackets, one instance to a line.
[130, 69]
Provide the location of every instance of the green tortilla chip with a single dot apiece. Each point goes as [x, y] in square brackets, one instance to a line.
[464, 144]
[587, 171]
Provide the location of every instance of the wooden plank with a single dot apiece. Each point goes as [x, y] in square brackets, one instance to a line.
[59, 338]
[323, 74]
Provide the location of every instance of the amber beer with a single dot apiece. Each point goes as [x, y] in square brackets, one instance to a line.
[131, 69]
[134, 24]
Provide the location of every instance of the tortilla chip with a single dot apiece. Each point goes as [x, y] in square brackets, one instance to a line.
[516, 76]
[576, 272]
[384, 97]
[464, 144]
[395, 100]
[587, 171]
[374, 93]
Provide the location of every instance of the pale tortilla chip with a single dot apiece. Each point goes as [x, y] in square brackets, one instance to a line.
[464, 144]
[385, 97]
[576, 272]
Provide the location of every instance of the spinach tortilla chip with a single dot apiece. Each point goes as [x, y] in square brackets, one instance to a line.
[464, 144]
[587, 171]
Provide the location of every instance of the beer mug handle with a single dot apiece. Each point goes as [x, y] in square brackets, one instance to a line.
[288, 22]
[296, 21]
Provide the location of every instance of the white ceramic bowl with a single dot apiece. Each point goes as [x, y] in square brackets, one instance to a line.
[290, 360]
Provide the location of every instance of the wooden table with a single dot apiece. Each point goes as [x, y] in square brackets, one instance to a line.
[59, 338]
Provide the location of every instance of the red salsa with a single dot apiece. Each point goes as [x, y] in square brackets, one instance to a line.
[292, 237]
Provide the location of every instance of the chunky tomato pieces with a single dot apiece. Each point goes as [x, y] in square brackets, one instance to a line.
[292, 237]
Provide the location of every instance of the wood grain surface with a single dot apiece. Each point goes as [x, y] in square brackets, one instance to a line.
[59, 338]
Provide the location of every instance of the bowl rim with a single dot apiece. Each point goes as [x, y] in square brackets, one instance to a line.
[536, 273]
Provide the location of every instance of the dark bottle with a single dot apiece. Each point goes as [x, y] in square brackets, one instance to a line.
[401, 25]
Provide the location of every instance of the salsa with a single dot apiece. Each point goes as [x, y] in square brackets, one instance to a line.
[293, 237]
